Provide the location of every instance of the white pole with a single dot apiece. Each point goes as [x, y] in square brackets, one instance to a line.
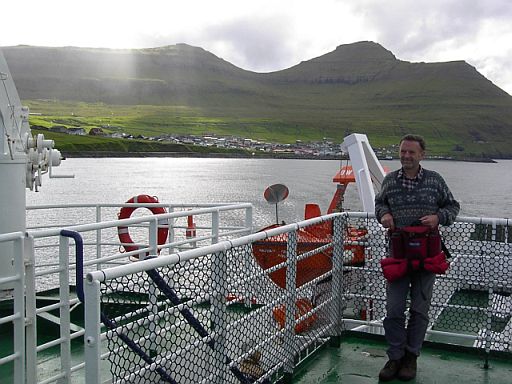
[13, 166]
[23, 160]
[92, 335]
[12, 194]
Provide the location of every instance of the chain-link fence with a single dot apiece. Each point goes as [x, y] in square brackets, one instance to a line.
[252, 309]
[471, 304]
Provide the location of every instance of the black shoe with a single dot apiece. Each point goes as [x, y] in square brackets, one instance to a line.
[390, 370]
[408, 369]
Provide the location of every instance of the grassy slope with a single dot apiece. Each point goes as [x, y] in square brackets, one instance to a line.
[443, 125]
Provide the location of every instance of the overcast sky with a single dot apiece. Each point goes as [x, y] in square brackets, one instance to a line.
[270, 35]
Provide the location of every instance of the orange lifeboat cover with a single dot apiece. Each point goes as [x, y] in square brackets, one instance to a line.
[345, 175]
[272, 251]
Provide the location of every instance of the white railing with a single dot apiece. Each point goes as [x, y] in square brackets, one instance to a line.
[42, 287]
[16, 285]
[354, 300]
[227, 273]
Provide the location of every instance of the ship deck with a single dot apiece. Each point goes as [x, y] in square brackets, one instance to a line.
[205, 300]
[359, 359]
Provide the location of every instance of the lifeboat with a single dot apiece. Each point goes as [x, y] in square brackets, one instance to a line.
[271, 251]
[303, 307]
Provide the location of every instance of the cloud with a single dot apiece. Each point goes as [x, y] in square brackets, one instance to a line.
[254, 43]
[266, 36]
[413, 28]
[476, 31]
[258, 43]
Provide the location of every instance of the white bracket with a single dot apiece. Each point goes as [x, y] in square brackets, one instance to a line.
[366, 167]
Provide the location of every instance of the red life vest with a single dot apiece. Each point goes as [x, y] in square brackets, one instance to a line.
[412, 249]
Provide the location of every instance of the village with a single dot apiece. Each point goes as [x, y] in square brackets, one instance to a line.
[325, 148]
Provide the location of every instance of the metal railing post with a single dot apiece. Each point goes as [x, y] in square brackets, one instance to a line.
[152, 308]
[249, 285]
[30, 311]
[291, 296]
[65, 320]
[19, 310]
[337, 276]
[98, 236]
[215, 227]
[153, 237]
[488, 326]
[92, 339]
[171, 235]
[219, 313]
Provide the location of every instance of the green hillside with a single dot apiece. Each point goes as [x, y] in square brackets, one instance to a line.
[360, 87]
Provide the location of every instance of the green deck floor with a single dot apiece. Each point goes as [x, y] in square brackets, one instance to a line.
[358, 361]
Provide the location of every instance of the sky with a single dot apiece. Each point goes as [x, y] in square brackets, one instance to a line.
[271, 35]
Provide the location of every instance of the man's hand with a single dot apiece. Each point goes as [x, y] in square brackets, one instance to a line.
[387, 221]
[431, 221]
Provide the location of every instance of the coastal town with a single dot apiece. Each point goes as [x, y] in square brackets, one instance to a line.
[324, 149]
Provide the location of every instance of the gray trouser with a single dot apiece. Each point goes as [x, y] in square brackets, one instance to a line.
[400, 338]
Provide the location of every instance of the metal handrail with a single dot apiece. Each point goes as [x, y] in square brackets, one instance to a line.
[25, 325]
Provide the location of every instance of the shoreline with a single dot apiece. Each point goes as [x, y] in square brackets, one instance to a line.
[195, 154]
[105, 154]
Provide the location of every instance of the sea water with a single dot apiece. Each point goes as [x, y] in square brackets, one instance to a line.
[483, 189]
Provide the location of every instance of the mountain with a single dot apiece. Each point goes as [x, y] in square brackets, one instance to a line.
[359, 87]
[146, 76]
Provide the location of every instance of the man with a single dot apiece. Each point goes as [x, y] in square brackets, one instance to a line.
[409, 196]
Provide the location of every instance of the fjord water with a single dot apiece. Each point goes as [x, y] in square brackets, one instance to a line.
[483, 189]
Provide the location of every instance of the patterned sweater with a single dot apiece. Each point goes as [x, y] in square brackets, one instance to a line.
[430, 196]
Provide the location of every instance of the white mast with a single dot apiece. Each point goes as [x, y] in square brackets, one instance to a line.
[23, 161]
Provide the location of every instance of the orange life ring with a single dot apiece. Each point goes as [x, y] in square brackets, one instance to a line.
[126, 212]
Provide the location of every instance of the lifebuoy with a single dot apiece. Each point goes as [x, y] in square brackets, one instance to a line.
[126, 212]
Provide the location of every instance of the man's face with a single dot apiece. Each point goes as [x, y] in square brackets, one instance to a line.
[411, 154]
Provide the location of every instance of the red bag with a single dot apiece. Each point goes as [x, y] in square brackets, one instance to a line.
[393, 268]
[415, 242]
[412, 249]
[436, 264]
